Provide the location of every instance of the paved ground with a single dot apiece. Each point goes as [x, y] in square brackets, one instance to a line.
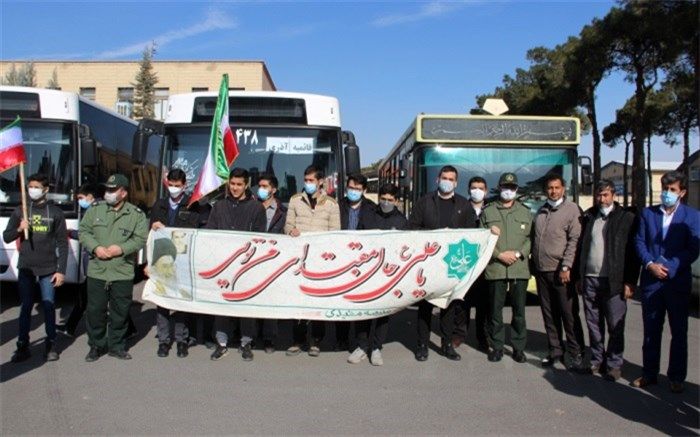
[276, 394]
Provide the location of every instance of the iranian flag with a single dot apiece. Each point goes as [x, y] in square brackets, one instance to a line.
[222, 151]
[11, 146]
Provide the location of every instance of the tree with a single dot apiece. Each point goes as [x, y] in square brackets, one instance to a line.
[25, 76]
[681, 116]
[613, 134]
[53, 82]
[144, 87]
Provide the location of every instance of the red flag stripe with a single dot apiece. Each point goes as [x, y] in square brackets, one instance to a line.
[11, 157]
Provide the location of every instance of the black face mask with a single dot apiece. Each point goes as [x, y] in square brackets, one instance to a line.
[386, 206]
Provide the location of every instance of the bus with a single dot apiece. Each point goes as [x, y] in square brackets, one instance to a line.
[486, 146]
[71, 140]
[277, 132]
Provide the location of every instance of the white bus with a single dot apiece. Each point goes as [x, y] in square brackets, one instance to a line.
[277, 132]
[72, 141]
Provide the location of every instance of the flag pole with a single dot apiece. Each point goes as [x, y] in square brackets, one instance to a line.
[23, 190]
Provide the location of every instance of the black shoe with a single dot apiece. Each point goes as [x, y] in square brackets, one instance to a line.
[549, 361]
[50, 354]
[219, 353]
[121, 354]
[495, 355]
[269, 347]
[21, 354]
[247, 352]
[93, 355]
[163, 350]
[576, 365]
[421, 352]
[448, 350]
[182, 349]
[519, 356]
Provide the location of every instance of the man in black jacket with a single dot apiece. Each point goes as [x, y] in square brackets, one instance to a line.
[353, 208]
[608, 269]
[276, 215]
[42, 262]
[371, 334]
[443, 208]
[238, 211]
[173, 211]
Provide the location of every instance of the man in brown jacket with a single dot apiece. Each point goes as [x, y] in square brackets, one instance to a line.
[556, 231]
[312, 210]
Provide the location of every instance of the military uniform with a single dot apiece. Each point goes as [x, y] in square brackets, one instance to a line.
[110, 282]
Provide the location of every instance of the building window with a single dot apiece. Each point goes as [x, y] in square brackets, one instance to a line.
[199, 89]
[160, 104]
[236, 88]
[125, 101]
[88, 93]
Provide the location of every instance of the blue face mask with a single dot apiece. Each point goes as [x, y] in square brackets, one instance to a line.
[669, 199]
[446, 186]
[263, 194]
[84, 203]
[353, 195]
[310, 188]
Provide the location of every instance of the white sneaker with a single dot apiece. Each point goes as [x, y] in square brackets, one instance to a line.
[356, 356]
[376, 358]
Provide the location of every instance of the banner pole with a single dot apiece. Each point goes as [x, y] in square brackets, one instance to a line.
[24, 197]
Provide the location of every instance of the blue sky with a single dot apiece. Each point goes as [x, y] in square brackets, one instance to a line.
[386, 61]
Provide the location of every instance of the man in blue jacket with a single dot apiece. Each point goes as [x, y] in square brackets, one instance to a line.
[667, 243]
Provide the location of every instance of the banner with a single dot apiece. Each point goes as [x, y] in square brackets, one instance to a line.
[342, 275]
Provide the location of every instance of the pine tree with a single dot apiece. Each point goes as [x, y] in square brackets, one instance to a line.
[144, 87]
[25, 76]
[53, 82]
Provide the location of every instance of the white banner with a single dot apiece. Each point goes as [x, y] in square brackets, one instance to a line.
[343, 275]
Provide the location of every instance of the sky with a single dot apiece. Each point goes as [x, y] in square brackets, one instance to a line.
[385, 61]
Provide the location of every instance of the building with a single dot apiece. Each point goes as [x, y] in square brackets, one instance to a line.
[614, 171]
[109, 83]
[693, 175]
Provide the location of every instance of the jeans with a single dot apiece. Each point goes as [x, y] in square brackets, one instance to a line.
[26, 285]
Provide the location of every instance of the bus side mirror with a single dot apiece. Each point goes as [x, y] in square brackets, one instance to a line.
[88, 150]
[586, 174]
[352, 153]
[147, 128]
[404, 180]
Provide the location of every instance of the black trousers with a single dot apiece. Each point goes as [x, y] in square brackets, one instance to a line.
[371, 334]
[447, 321]
[560, 308]
[342, 332]
[477, 298]
[300, 332]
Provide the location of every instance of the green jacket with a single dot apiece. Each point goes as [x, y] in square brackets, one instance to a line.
[103, 226]
[515, 224]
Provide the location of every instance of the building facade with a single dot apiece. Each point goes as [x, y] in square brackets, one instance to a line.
[109, 83]
[614, 171]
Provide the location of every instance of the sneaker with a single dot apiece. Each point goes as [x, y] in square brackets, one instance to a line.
[643, 381]
[50, 353]
[357, 356]
[120, 354]
[376, 358]
[293, 350]
[519, 356]
[269, 346]
[219, 353]
[21, 354]
[163, 350]
[448, 350]
[613, 374]
[93, 355]
[314, 351]
[182, 349]
[247, 352]
[421, 352]
[495, 355]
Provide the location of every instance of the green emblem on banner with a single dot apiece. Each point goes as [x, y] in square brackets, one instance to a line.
[461, 258]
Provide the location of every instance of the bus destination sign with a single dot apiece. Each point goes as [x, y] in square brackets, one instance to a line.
[469, 129]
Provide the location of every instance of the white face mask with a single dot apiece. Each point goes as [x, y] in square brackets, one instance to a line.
[477, 194]
[175, 191]
[508, 195]
[555, 203]
[111, 198]
[35, 193]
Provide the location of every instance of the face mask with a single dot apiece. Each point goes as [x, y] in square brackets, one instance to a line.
[263, 194]
[111, 198]
[353, 195]
[310, 188]
[477, 194]
[386, 206]
[605, 210]
[35, 193]
[668, 199]
[555, 203]
[175, 191]
[508, 195]
[84, 203]
[445, 186]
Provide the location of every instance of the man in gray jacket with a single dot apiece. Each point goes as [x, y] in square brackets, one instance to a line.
[555, 235]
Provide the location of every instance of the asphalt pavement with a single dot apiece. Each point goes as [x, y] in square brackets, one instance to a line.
[276, 394]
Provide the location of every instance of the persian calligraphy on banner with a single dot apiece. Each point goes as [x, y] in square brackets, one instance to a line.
[343, 275]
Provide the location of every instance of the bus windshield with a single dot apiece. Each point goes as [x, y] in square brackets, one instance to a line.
[530, 166]
[49, 149]
[284, 152]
